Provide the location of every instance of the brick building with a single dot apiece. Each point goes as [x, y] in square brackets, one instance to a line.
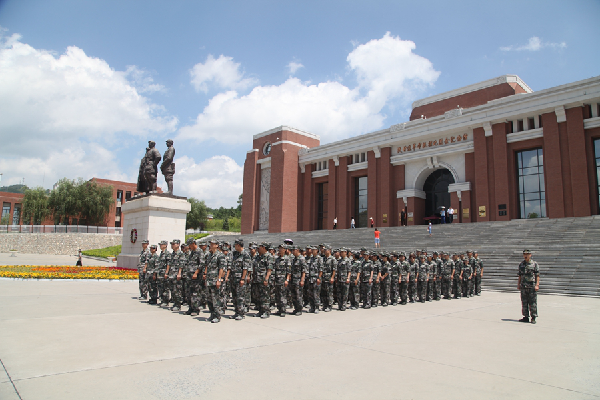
[478, 149]
[122, 191]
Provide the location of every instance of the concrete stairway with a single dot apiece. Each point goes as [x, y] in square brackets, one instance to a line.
[567, 249]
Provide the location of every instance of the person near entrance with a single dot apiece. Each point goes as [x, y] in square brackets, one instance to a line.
[450, 215]
[352, 223]
[335, 223]
[372, 222]
[528, 285]
[377, 245]
[443, 215]
[403, 218]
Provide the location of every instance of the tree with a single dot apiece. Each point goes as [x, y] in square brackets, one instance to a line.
[64, 200]
[197, 216]
[14, 188]
[226, 224]
[35, 206]
[239, 202]
[95, 202]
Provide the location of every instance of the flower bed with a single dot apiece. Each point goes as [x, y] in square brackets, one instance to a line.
[65, 272]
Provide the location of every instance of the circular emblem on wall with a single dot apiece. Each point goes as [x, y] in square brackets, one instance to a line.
[267, 148]
[133, 236]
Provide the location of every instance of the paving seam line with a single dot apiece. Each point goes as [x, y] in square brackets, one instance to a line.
[11, 381]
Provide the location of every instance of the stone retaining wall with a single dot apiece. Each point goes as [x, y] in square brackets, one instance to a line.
[56, 243]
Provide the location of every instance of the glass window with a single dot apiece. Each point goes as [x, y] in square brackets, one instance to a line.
[5, 214]
[360, 202]
[127, 195]
[17, 215]
[120, 195]
[363, 157]
[532, 194]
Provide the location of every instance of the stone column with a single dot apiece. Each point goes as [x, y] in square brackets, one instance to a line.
[553, 176]
[500, 175]
[577, 157]
[331, 202]
[481, 173]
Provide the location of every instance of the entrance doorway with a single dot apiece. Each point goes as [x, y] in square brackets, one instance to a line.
[322, 205]
[436, 190]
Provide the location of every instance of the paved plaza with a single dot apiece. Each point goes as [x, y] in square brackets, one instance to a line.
[94, 340]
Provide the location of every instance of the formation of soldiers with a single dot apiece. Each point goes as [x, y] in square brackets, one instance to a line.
[210, 273]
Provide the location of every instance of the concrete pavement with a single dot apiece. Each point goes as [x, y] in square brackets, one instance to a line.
[94, 340]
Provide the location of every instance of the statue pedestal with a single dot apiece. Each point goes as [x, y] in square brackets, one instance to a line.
[154, 217]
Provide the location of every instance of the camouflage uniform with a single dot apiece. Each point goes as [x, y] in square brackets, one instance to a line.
[394, 278]
[367, 275]
[195, 263]
[343, 268]
[263, 265]
[405, 278]
[281, 269]
[432, 271]
[177, 262]
[376, 290]
[422, 282]
[438, 279]
[529, 272]
[467, 273]
[413, 270]
[446, 270]
[163, 287]
[215, 262]
[329, 268]
[355, 287]
[476, 281]
[298, 268]
[315, 270]
[385, 282]
[225, 287]
[241, 262]
[457, 286]
[151, 274]
[142, 283]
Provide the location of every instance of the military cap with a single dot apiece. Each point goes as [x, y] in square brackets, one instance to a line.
[266, 245]
[239, 241]
[327, 247]
[153, 246]
[435, 253]
[145, 241]
[281, 246]
[475, 252]
[526, 251]
[163, 242]
[253, 245]
[322, 245]
[421, 255]
[213, 241]
[363, 249]
[469, 251]
[412, 255]
[176, 241]
[343, 249]
[190, 241]
[402, 254]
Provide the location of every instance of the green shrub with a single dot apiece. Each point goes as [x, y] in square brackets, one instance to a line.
[111, 251]
[196, 236]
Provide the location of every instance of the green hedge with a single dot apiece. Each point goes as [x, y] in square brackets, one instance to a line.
[196, 236]
[235, 225]
[111, 251]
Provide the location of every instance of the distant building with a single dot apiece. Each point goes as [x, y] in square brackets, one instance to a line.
[493, 151]
[122, 191]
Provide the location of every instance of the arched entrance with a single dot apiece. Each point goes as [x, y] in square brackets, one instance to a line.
[436, 190]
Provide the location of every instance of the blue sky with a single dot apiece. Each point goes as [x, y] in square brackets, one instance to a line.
[85, 84]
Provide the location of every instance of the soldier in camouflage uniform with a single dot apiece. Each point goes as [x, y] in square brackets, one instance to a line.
[343, 274]
[413, 271]
[405, 278]
[376, 290]
[447, 274]
[438, 272]
[384, 272]
[529, 284]
[151, 273]
[329, 271]
[163, 260]
[175, 268]
[213, 277]
[262, 273]
[315, 273]
[141, 267]
[367, 279]
[202, 294]
[457, 283]
[282, 269]
[477, 274]
[423, 278]
[225, 287]
[251, 288]
[298, 272]
[467, 274]
[355, 284]
[184, 274]
[394, 278]
[239, 266]
[195, 266]
[432, 274]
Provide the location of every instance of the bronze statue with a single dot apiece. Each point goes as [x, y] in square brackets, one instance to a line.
[148, 169]
[168, 166]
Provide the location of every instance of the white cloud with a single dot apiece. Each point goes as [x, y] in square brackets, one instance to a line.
[386, 69]
[60, 113]
[217, 180]
[294, 66]
[223, 72]
[534, 44]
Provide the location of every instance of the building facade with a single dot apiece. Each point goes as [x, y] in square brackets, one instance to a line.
[493, 151]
